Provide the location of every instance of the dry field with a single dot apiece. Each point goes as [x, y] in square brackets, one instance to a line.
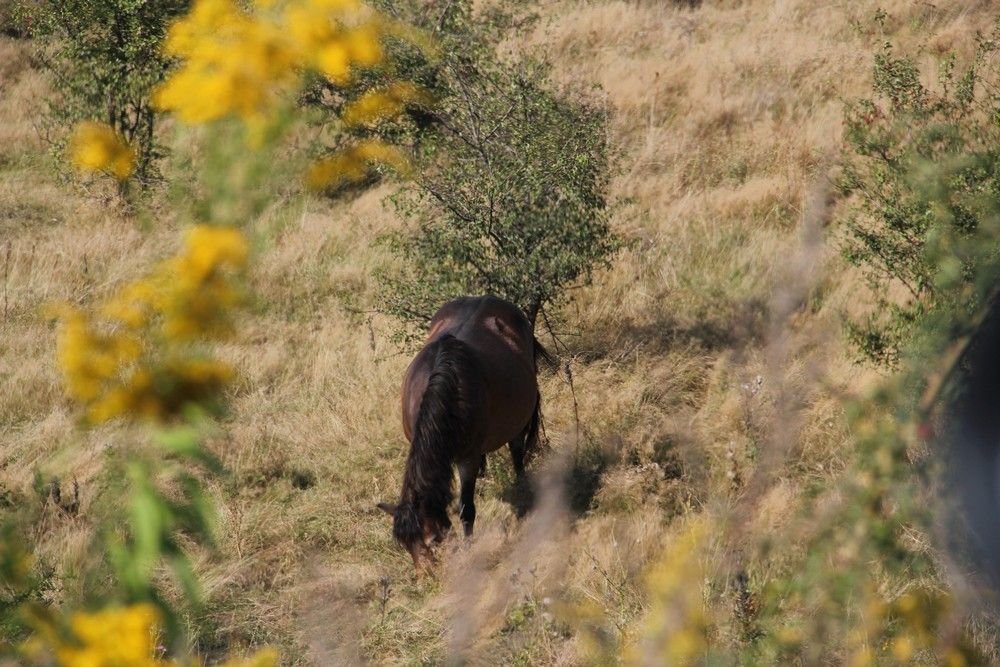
[708, 365]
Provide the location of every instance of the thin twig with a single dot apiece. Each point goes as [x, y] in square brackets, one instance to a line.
[568, 376]
[444, 15]
[6, 274]
[371, 333]
[552, 332]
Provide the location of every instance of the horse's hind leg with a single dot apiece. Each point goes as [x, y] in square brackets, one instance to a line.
[467, 471]
[518, 449]
[482, 467]
[526, 439]
[520, 495]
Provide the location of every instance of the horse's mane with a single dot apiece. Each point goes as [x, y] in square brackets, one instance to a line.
[442, 422]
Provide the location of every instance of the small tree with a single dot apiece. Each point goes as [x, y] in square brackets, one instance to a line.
[896, 232]
[105, 58]
[510, 192]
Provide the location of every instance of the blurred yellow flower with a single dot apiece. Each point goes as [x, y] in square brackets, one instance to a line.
[904, 627]
[375, 106]
[134, 355]
[676, 625]
[233, 64]
[97, 147]
[210, 249]
[955, 657]
[862, 657]
[354, 164]
[246, 63]
[202, 292]
[902, 648]
[112, 637]
[324, 41]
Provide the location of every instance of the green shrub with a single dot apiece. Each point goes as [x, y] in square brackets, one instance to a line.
[509, 196]
[10, 23]
[896, 232]
[105, 59]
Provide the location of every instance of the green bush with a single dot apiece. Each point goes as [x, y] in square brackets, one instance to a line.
[105, 59]
[509, 195]
[10, 23]
[896, 233]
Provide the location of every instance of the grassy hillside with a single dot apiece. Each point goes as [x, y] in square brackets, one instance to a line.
[708, 367]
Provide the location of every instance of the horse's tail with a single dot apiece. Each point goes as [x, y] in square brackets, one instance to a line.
[442, 425]
[536, 427]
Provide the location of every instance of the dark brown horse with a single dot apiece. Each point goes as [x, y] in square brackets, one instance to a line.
[471, 389]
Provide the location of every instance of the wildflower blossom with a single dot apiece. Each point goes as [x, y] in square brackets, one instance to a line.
[353, 164]
[113, 637]
[233, 64]
[677, 621]
[238, 63]
[202, 294]
[377, 105]
[319, 29]
[904, 626]
[248, 64]
[97, 147]
[135, 354]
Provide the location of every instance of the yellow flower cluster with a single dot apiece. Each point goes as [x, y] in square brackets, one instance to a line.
[319, 30]
[240, 63]
[97, 147]
[135, 355]
[353, 164]
[677, 622]
[910, 622]
[377, 105]
[114, 637]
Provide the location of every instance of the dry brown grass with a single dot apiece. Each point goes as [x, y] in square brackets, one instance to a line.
[728, 118]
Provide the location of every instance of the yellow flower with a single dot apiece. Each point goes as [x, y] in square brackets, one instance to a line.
[113, 637]
[209, 249]
[863, 657]
[134, 355]
[246, 64]
[90, 358]
[902, 648]
[954, 657]
[327, 43]
[377, 105]
[232, 64]
[676, 624]
[201, 291]
[97, 147]
[354, 164]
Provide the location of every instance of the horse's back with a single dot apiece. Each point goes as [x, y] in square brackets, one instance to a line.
[488, 324]
[502, 344]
